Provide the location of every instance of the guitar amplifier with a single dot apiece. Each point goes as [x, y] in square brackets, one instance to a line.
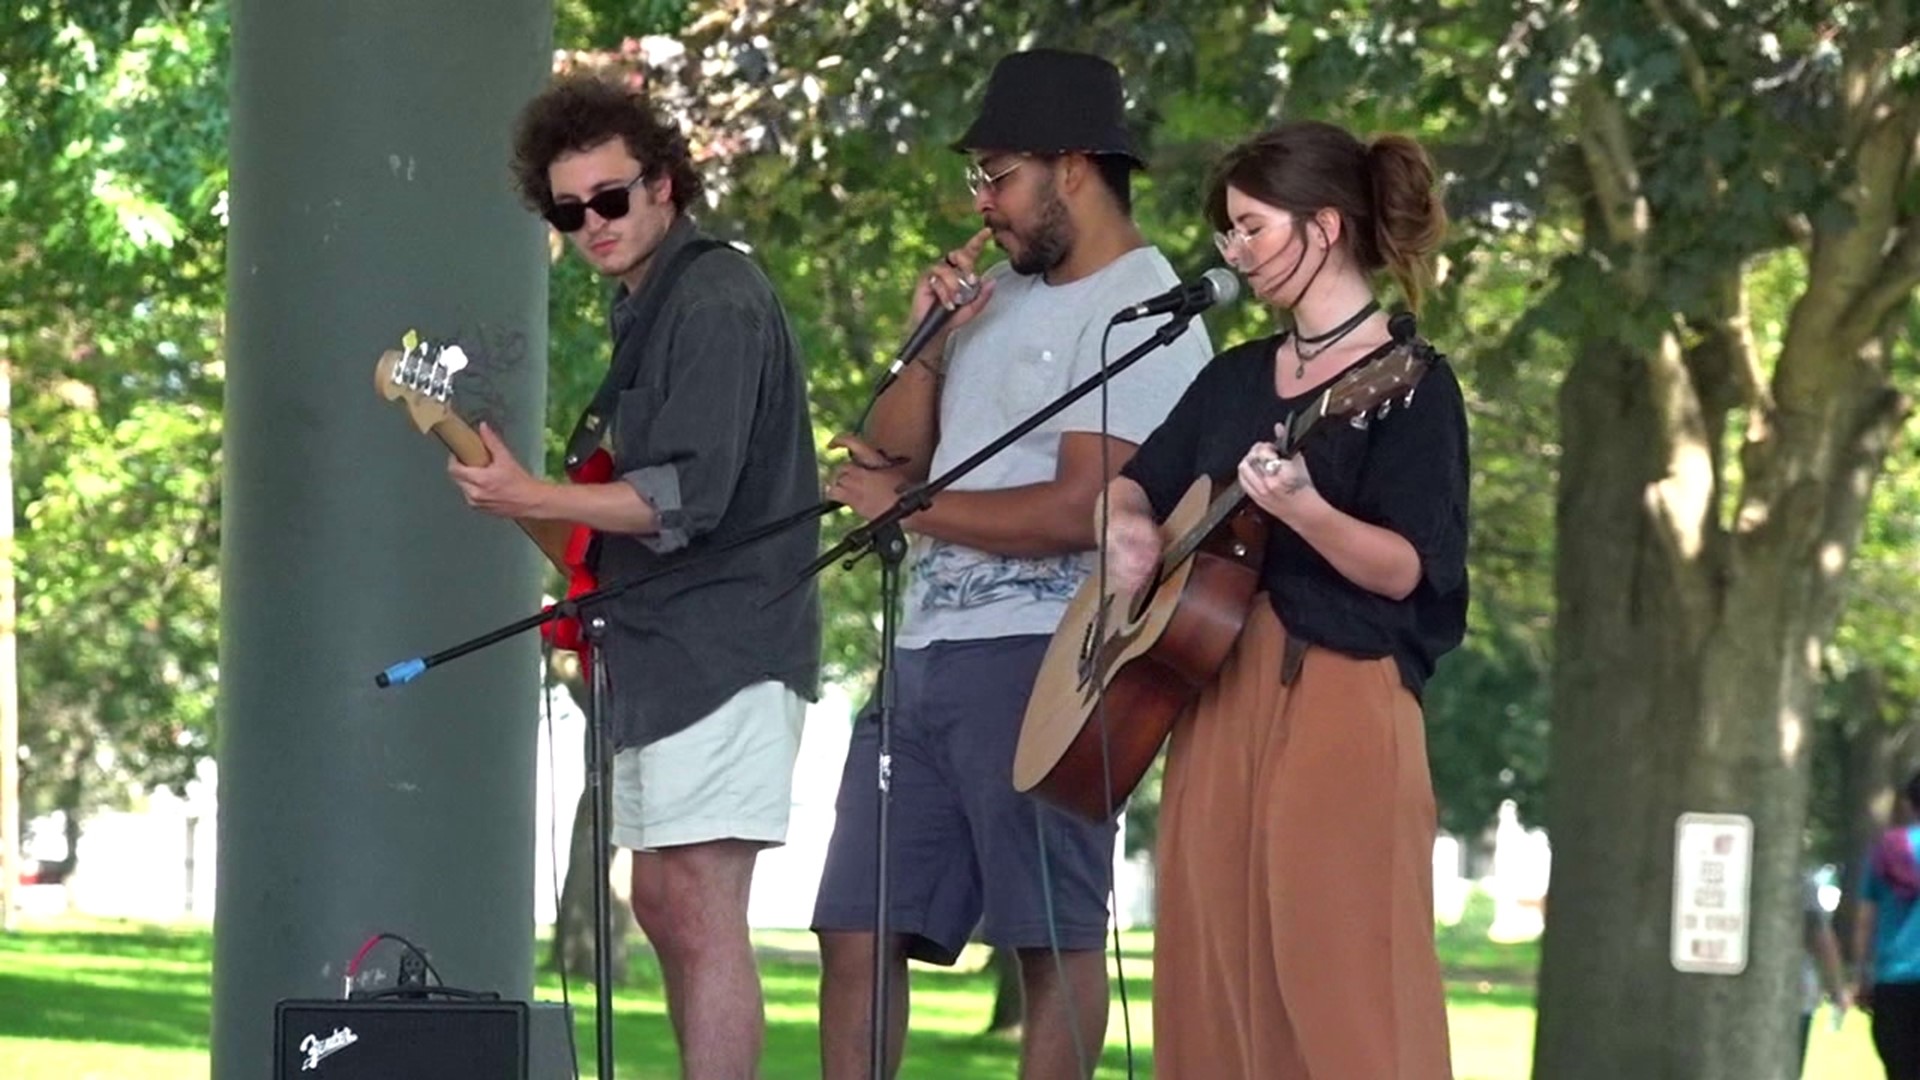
[421, 1040]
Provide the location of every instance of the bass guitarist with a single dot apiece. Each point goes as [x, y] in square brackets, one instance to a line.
[702, 432]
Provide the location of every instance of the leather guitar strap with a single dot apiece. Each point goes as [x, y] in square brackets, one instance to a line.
[590, 428]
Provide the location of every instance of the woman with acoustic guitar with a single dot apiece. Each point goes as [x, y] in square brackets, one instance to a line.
[1295, 925]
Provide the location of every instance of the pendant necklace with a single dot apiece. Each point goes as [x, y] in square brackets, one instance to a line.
[1307, 347]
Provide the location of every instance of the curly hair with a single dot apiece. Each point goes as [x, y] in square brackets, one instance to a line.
[579, 112]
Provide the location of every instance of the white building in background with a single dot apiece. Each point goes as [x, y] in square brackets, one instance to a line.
[156, 863]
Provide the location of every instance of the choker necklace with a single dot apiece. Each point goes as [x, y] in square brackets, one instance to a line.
[1306, 348]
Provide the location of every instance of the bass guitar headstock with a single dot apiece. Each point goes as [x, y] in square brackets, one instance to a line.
[421, 378]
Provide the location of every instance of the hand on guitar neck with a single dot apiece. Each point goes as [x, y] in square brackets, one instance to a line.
[500, 485]
[1278, 483]
[422, 380]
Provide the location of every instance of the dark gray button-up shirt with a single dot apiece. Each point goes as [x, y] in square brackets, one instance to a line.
[714, 433]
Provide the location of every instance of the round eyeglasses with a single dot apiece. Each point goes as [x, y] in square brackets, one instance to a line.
[979, 179]
[1234, 242]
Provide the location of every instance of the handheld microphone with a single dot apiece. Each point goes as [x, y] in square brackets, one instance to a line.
[930, 326]
[1217, 286]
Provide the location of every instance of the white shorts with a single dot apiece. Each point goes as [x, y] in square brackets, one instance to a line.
[727, 777]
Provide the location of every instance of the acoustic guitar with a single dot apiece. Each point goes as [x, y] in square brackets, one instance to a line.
[1121, 668]
[421, 378]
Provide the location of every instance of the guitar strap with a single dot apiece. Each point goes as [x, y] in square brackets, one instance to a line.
[587, 432]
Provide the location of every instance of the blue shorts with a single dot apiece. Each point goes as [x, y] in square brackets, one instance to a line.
[968, 850]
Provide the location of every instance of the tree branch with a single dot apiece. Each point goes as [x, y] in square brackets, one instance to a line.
[1689, 56]
[1898, 276]
[1857, 268]
[1607, 149]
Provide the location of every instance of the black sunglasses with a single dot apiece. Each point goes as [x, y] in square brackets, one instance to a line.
[611, 204]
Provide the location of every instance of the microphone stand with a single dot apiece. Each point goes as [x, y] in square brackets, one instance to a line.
[883, 537]
[599, 750]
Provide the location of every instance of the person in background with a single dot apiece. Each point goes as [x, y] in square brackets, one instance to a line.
[1886, 939]
[1822, 974]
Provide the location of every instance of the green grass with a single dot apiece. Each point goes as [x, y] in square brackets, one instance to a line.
[112, 1001]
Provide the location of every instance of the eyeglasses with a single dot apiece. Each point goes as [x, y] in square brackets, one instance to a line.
[611, 204]
[1234, 242]
[979, 179]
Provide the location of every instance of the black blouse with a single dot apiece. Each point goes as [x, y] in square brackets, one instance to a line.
[1406, 472]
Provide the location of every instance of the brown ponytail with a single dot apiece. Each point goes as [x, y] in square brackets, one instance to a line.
[1409, 220]
[1383, 191]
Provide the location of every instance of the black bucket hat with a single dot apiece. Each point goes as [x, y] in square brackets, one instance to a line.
[1050, 101]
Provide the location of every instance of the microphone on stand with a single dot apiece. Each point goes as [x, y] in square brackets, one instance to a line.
[1189, 298]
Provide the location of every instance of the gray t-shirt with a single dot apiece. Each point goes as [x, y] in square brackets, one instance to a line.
[1033, 343]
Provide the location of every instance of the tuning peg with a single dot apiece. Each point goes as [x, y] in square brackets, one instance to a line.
[1359, 420]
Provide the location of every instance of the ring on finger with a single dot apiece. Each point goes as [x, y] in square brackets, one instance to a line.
[1270, 466]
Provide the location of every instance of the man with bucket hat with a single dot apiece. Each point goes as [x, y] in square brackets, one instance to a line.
[996, 559]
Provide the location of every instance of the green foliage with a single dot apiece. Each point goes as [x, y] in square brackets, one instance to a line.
[113, 125]
[118, 630]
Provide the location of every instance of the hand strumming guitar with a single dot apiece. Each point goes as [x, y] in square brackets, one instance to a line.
[1133, 540]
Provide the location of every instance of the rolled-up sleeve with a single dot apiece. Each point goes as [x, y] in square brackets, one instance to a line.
[682, 448]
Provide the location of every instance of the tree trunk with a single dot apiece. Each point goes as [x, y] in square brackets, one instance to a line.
[1683, 682]
[572, 948]
[1694, 597]
[72, 814]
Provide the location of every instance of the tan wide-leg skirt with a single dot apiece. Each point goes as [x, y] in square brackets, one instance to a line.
[1295, 925]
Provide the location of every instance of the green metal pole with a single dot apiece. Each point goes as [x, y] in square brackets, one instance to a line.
[369, 195]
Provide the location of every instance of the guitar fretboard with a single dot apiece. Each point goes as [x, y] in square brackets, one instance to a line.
[1229, 499]
[1223, 505]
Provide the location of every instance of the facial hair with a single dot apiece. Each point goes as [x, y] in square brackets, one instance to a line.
[1050, 241]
